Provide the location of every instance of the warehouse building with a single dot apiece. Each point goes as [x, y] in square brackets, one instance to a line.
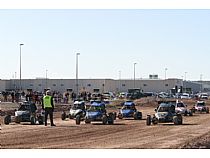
[92, 85]
[105, 85]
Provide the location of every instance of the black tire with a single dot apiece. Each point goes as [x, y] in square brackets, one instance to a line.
[78, 120]
[185, 114]
[115, 115]
[135, 116]
[7, 120]
[104, 120]
[87, 121]
[175, 120]
[63, 116]
[154, 120]
[207, 110]
[140, 115]
[120, 116]
[33, 120]
[17, 119]
[110, 120]
[190, 113]
[148, 120]
[41, 120]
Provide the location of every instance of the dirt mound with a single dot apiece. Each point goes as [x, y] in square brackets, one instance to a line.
[202, 142]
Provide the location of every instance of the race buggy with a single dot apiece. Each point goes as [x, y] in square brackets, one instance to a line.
[129, 111]
[76, 112]
[200, 106]
[165, 112]
[27, 112]
[181, 108]
[97, 112]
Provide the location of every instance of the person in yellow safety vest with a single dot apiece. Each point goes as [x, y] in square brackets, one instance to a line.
[48, 106]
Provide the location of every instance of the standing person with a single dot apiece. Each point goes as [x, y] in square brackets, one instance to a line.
[48, 106]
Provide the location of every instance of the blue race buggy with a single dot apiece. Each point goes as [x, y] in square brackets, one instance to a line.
[97, 112]
[129, 111]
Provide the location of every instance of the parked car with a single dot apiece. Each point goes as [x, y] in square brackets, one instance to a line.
[129, 111]
[97, 112]
[76, 112]
[204, 96]
[165, 112]
[185, 96]
[27, 112]
[200, 106]
[181, 108]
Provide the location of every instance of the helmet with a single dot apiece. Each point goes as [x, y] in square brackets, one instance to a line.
[48, 92]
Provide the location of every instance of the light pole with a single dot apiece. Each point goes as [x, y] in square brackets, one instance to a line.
[134, 80]
[201, 81]
[119, 80]
[185, 78]
[20, 68]
[77, 84]
[46, 79]
[165, 72]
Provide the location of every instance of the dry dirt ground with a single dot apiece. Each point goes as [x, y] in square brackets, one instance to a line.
[194, 133]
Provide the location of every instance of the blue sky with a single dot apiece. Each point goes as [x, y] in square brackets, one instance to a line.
[108, 41]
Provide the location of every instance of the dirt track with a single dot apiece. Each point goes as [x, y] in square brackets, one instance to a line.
[123, 134]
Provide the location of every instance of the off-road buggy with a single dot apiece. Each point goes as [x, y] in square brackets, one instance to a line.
[181, 108]
[97, 112]
[27, 112]
[165, 112]
[76, 112]
[129, 111]
[200, 106]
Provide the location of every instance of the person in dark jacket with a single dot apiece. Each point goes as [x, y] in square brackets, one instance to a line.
[48, 106]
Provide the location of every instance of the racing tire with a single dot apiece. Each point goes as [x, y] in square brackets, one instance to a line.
[139, 115]
[78, 120]
[154, 120]
[41, 120]
[7, 120]
[185, 114]
[63, 116]
[190, 113]
[17, 119]
[110, 120]
[33, 120]
[175, 120]
[104, 120]
[135, 115]
[207, 110]
[120, 116]
[148, 122]
[87, 121]
[115, 115]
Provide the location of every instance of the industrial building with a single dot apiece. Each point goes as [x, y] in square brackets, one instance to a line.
[105, 85]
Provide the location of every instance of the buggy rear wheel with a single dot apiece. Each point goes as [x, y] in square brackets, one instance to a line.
[33, 120]
[7, 120]
[175, 120]
[41, 120]
[120, 116]
[63, 116]
[78, 119]
[104, 119]
[148, 120]
[110, 120]
[87, 121]
[207, 110]
[17, 119]
[190, 113]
